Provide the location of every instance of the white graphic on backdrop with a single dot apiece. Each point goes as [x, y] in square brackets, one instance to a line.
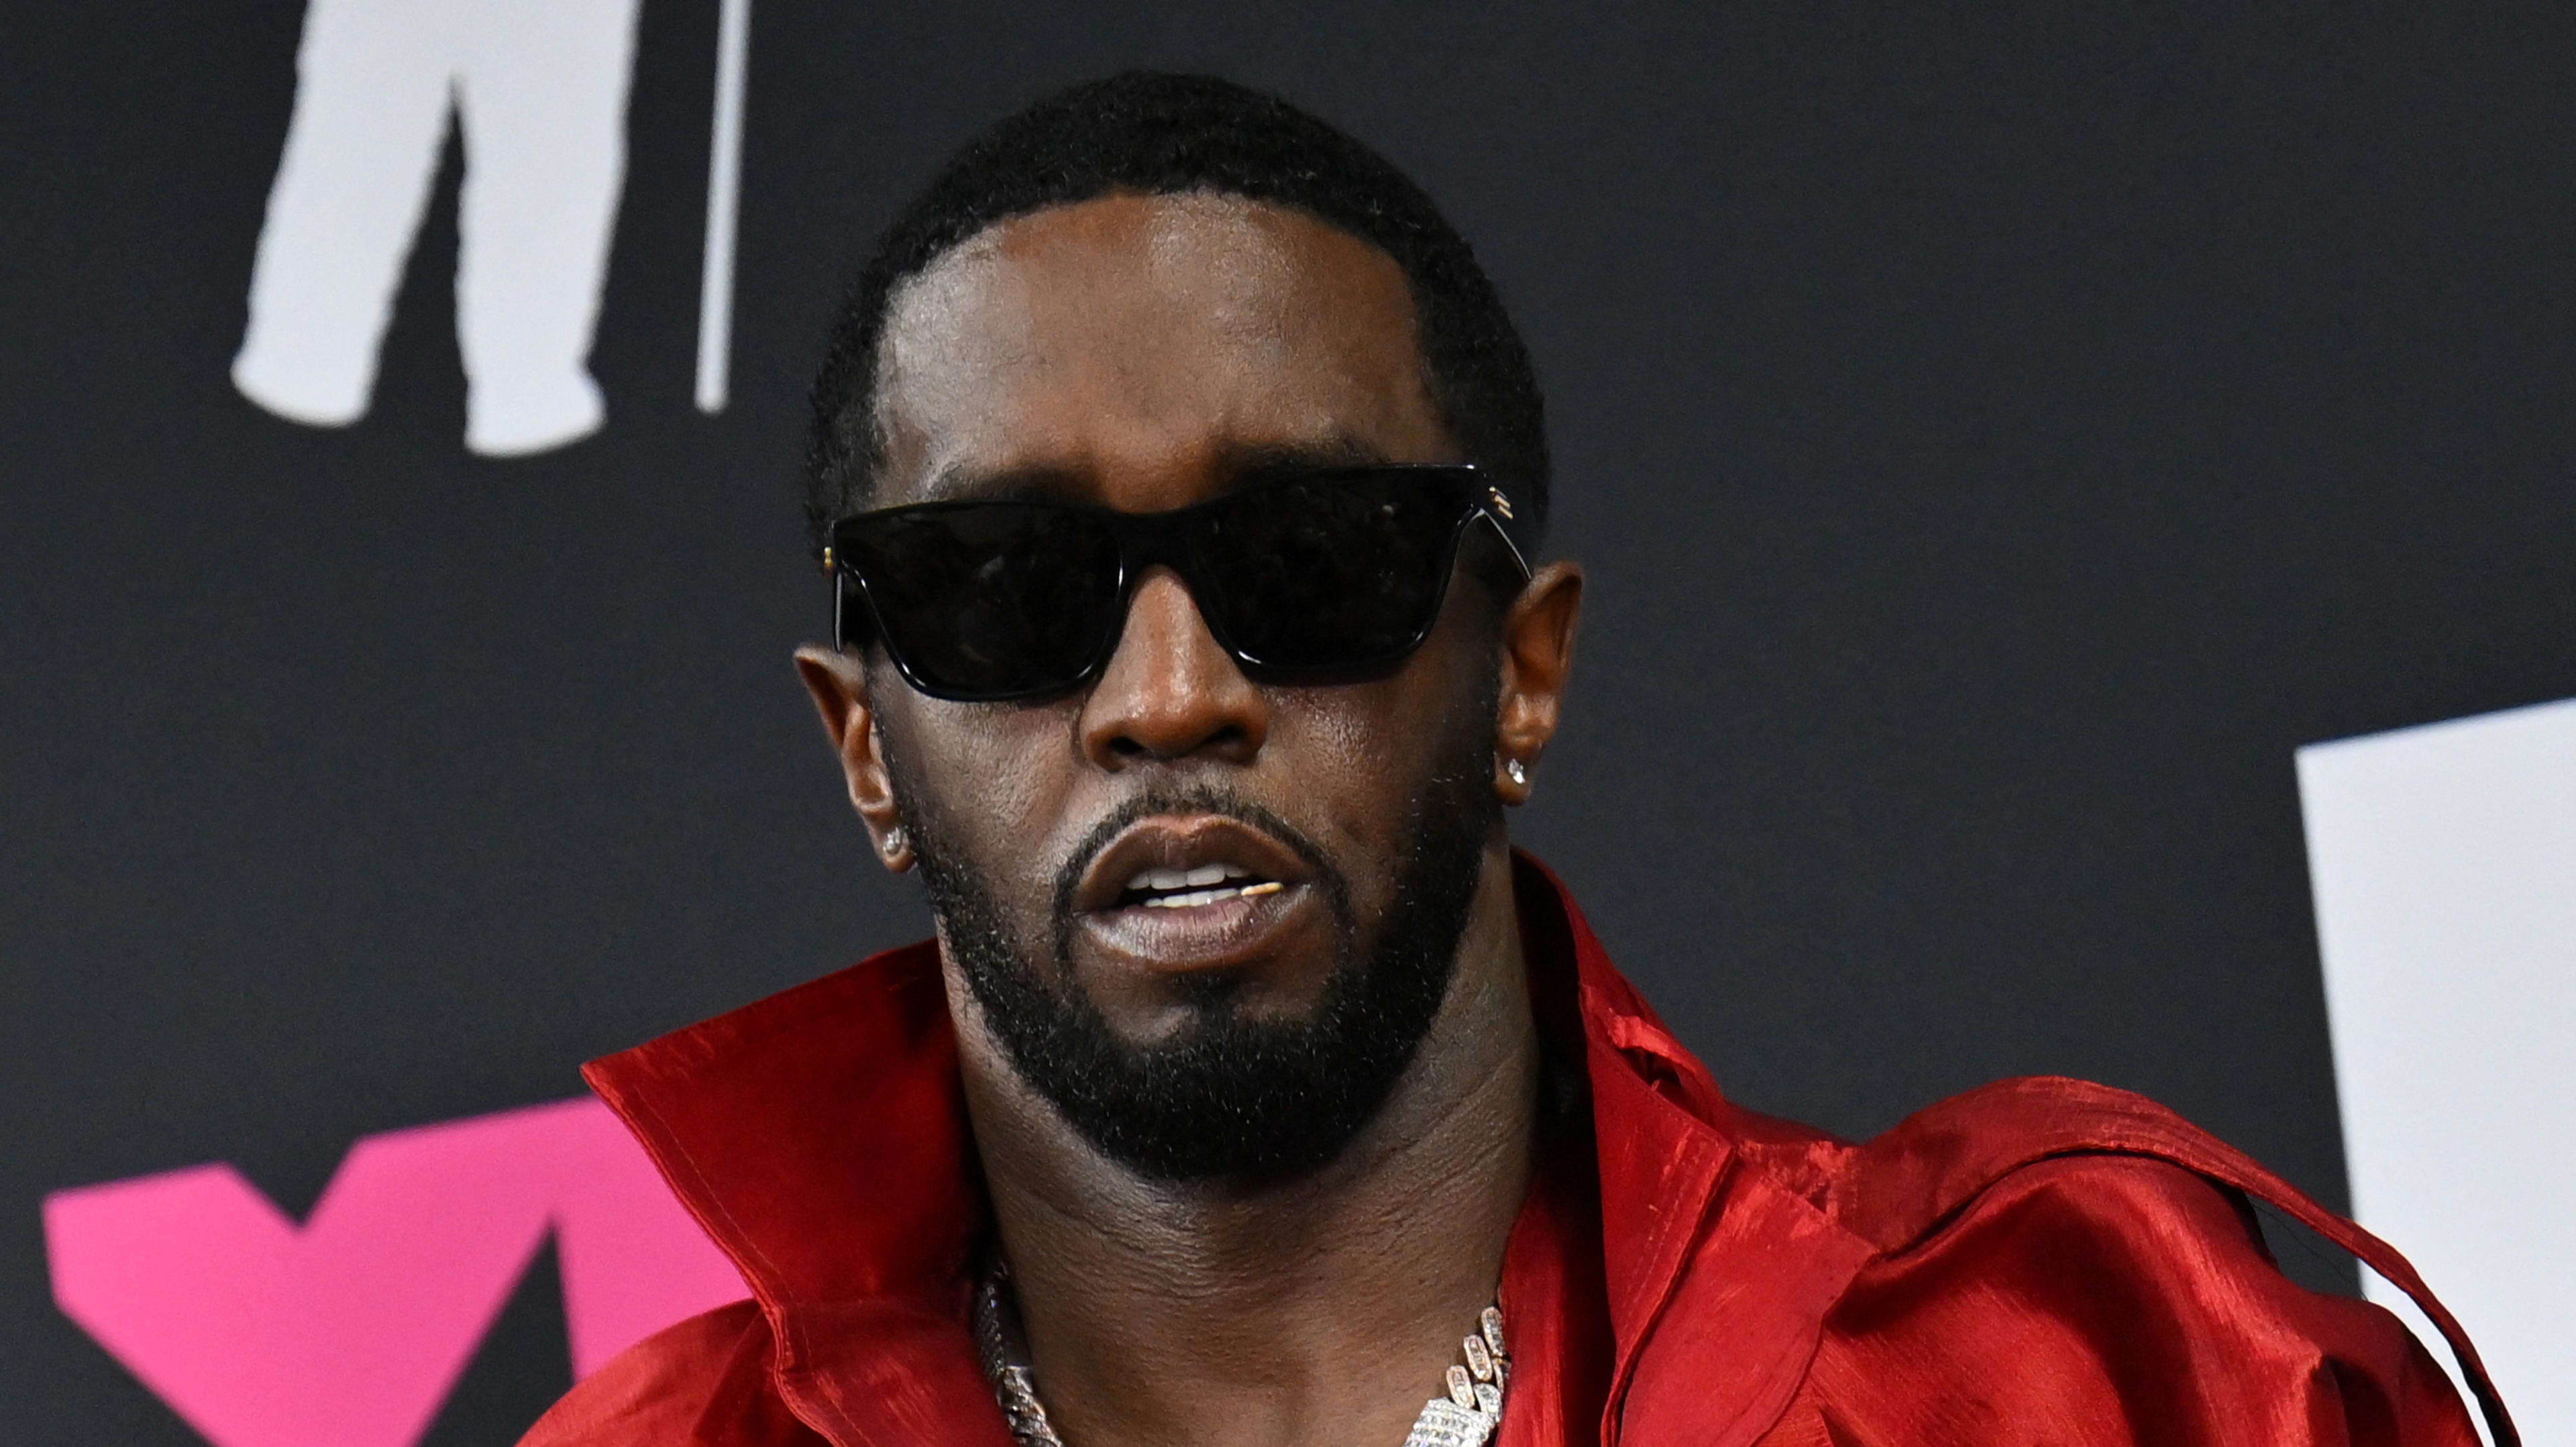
[538, 89]
[2444, 866]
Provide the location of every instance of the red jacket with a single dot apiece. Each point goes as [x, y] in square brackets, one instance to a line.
[2040, 1261]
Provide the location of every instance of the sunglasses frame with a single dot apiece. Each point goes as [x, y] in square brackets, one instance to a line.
[1160, 539]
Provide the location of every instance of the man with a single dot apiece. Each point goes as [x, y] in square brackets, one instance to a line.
[1181, 480]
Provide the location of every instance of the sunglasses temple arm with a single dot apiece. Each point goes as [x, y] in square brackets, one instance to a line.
[1518, 559]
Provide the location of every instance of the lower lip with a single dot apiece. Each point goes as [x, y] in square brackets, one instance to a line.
[1224, 934]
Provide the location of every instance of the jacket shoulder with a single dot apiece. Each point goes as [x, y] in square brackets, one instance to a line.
[2051, 1251]
[1907, 1181]
[704, 1382]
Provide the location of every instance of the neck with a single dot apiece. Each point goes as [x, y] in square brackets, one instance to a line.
[1321, 1309]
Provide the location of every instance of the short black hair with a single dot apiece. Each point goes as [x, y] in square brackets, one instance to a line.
[1157, 133]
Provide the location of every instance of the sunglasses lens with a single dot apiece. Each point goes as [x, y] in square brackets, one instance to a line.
[1330, 574]
[988, 600]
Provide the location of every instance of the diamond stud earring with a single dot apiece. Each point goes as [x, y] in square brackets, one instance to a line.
[1518, 774]
[894, 841]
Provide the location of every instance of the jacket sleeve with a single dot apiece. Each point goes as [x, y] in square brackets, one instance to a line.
[2106, 1299]
[701, 1383]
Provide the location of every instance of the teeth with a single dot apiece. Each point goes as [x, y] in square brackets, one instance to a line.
[1211, 896]
[1199, 878]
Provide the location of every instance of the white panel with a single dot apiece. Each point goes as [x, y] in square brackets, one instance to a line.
[2444, 865]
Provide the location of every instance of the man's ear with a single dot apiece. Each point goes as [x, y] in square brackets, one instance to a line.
[839, 685]
[1538, 654]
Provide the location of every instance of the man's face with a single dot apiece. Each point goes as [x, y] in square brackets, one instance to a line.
[1145, 354]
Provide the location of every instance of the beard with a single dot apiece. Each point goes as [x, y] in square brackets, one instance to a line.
[1229, 1094]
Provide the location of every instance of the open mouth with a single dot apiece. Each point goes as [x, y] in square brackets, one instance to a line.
[1183, 893]
[1191, 888]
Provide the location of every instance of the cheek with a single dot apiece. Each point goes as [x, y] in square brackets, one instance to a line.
[1360, 755]
[1374, 746]
[995, 775]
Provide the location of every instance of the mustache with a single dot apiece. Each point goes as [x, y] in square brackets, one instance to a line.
[1195, 799]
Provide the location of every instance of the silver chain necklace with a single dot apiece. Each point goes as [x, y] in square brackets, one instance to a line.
[1466, 1414]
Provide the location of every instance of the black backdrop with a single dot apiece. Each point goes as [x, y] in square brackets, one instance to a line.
[1998, 438]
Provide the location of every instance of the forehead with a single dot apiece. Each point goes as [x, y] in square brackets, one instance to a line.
[1125, 347]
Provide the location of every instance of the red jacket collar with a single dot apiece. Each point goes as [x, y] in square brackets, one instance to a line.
[1719, 1256]
[819, 1137]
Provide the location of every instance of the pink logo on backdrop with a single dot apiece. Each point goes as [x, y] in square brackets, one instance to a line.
[350, 1329]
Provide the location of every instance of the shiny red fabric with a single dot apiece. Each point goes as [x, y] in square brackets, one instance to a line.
[2037, 1262]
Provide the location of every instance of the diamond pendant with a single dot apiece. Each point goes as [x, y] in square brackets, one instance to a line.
[1444, 1423]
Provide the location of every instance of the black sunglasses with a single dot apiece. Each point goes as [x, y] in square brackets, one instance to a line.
[1333, 571]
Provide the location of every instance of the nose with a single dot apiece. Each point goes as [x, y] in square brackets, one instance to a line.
[1169, 692]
